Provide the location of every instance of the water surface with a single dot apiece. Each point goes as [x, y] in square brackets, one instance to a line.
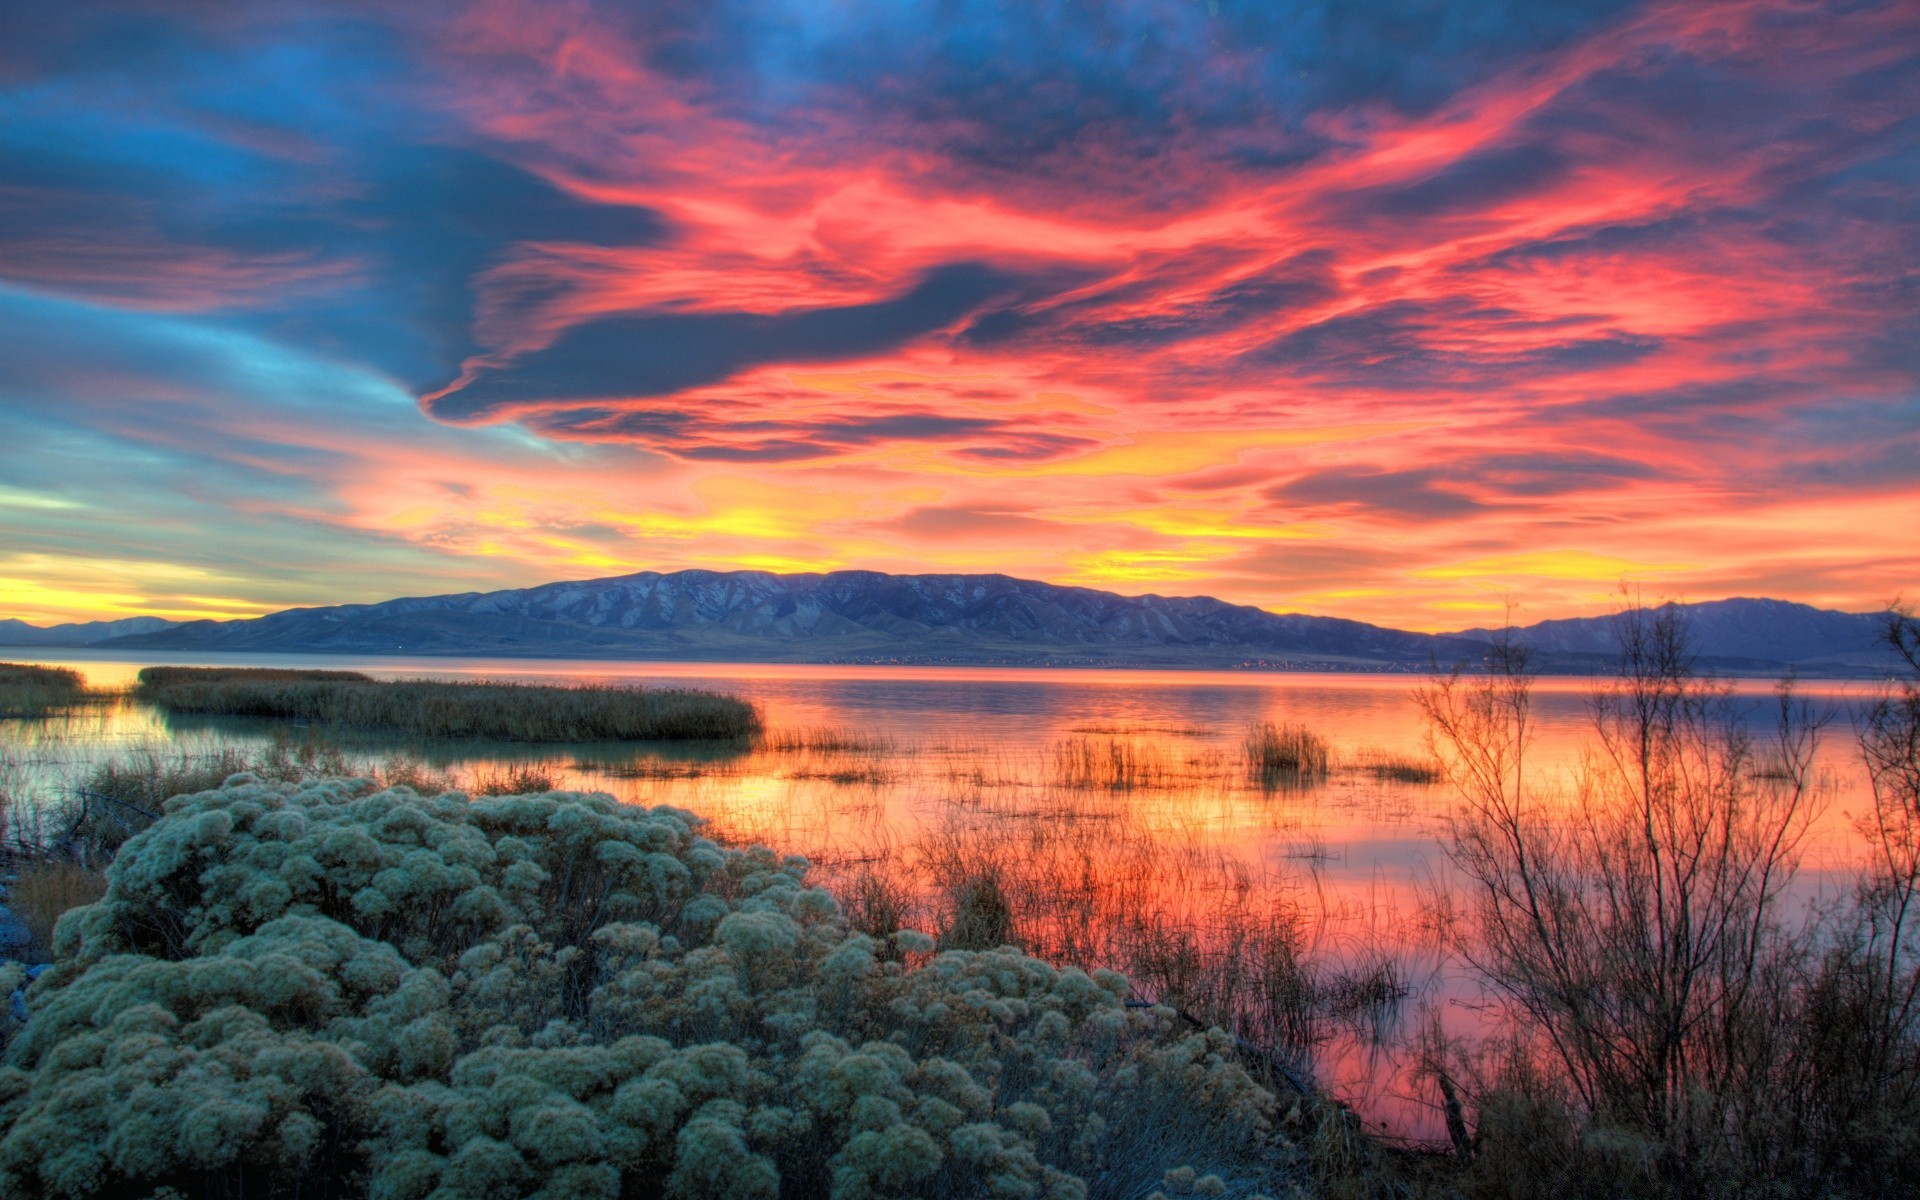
[913, 773]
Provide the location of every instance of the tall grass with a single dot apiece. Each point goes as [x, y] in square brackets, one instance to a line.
[44, 890]
[34, 691]
[1280, 754]
[495, 711]
[1399, 768]
[1109, 763]
[828, 739]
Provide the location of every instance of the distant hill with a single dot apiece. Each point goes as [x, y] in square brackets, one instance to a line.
[838, 616]
[867, 616]
[85, 633]
[1735, 632]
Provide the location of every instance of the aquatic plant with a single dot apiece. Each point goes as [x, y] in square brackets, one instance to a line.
[332, 989]
[1278, 754]
[1113, 763]
[433, 709]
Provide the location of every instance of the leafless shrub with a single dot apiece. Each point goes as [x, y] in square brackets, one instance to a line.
[1674, 1032]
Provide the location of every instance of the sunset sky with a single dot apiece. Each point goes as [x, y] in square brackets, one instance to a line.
[1386, 309]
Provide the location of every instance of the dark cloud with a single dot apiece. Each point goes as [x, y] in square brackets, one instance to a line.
[1296, 282]
[1483, 180]
[1026, 447]
[655, 354]
[1463, 487]
[1549, 473]
[1416, 493]
[1416, 344]
[961, 521]
[282, 165]
[1086, 87]
[711, 435]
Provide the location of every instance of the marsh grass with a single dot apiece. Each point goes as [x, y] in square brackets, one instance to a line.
[1117, 764]
[509, 712]
[828, 739]
[510, 779]
[846, 774]
[1278, 755]
[1109, 877]
[46, 889]
[34, 691]
[1390, 767]
[654, 768]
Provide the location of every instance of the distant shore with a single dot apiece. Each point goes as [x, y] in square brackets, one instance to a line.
[1554, 665]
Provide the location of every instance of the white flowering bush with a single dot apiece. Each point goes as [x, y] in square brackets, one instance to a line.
[325, 989]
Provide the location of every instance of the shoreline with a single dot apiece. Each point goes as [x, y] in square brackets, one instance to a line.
[1242, 667]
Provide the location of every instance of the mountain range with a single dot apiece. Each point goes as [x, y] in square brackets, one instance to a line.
[868, 616]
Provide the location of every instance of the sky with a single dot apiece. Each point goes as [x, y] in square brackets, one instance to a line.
[1398, 310]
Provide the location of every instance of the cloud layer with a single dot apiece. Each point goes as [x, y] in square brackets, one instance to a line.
[1387, 309]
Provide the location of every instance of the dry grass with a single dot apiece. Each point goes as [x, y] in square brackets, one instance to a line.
[514, 779]
[1110, 763]
[827, 739]
[43, 891]
[32, 691]
[418, 708]
[1283, 754]
[1399, 768]
[167, 677]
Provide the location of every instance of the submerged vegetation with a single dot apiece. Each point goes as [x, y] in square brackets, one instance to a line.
[512, 712]
[33, 691]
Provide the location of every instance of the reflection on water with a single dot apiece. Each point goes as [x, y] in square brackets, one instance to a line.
[1109, 807]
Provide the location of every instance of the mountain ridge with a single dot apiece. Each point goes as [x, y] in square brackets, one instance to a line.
[14, 632]
[870, 616]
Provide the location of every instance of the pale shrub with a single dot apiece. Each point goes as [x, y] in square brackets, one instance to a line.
[334, 990]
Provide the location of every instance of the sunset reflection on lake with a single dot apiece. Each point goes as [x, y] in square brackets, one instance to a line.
[901, 773]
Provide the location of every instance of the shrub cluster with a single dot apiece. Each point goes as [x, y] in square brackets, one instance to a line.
[431, 709]
[326, 989]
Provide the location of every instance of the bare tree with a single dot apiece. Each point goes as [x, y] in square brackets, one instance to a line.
[1634, 924]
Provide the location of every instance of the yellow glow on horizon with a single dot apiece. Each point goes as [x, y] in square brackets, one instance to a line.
[1549, 564]
[1209, 523]
[1134, 567]
[43, 603]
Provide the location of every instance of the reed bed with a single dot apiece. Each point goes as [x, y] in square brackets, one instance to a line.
[1282, 754]
[34, 691]
[1109, 763]
[828, 739]
[1390, 767]
[510, 712]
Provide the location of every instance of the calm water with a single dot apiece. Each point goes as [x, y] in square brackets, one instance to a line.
[892, 770]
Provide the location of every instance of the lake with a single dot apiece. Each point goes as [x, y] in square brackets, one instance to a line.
[1111, 806]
